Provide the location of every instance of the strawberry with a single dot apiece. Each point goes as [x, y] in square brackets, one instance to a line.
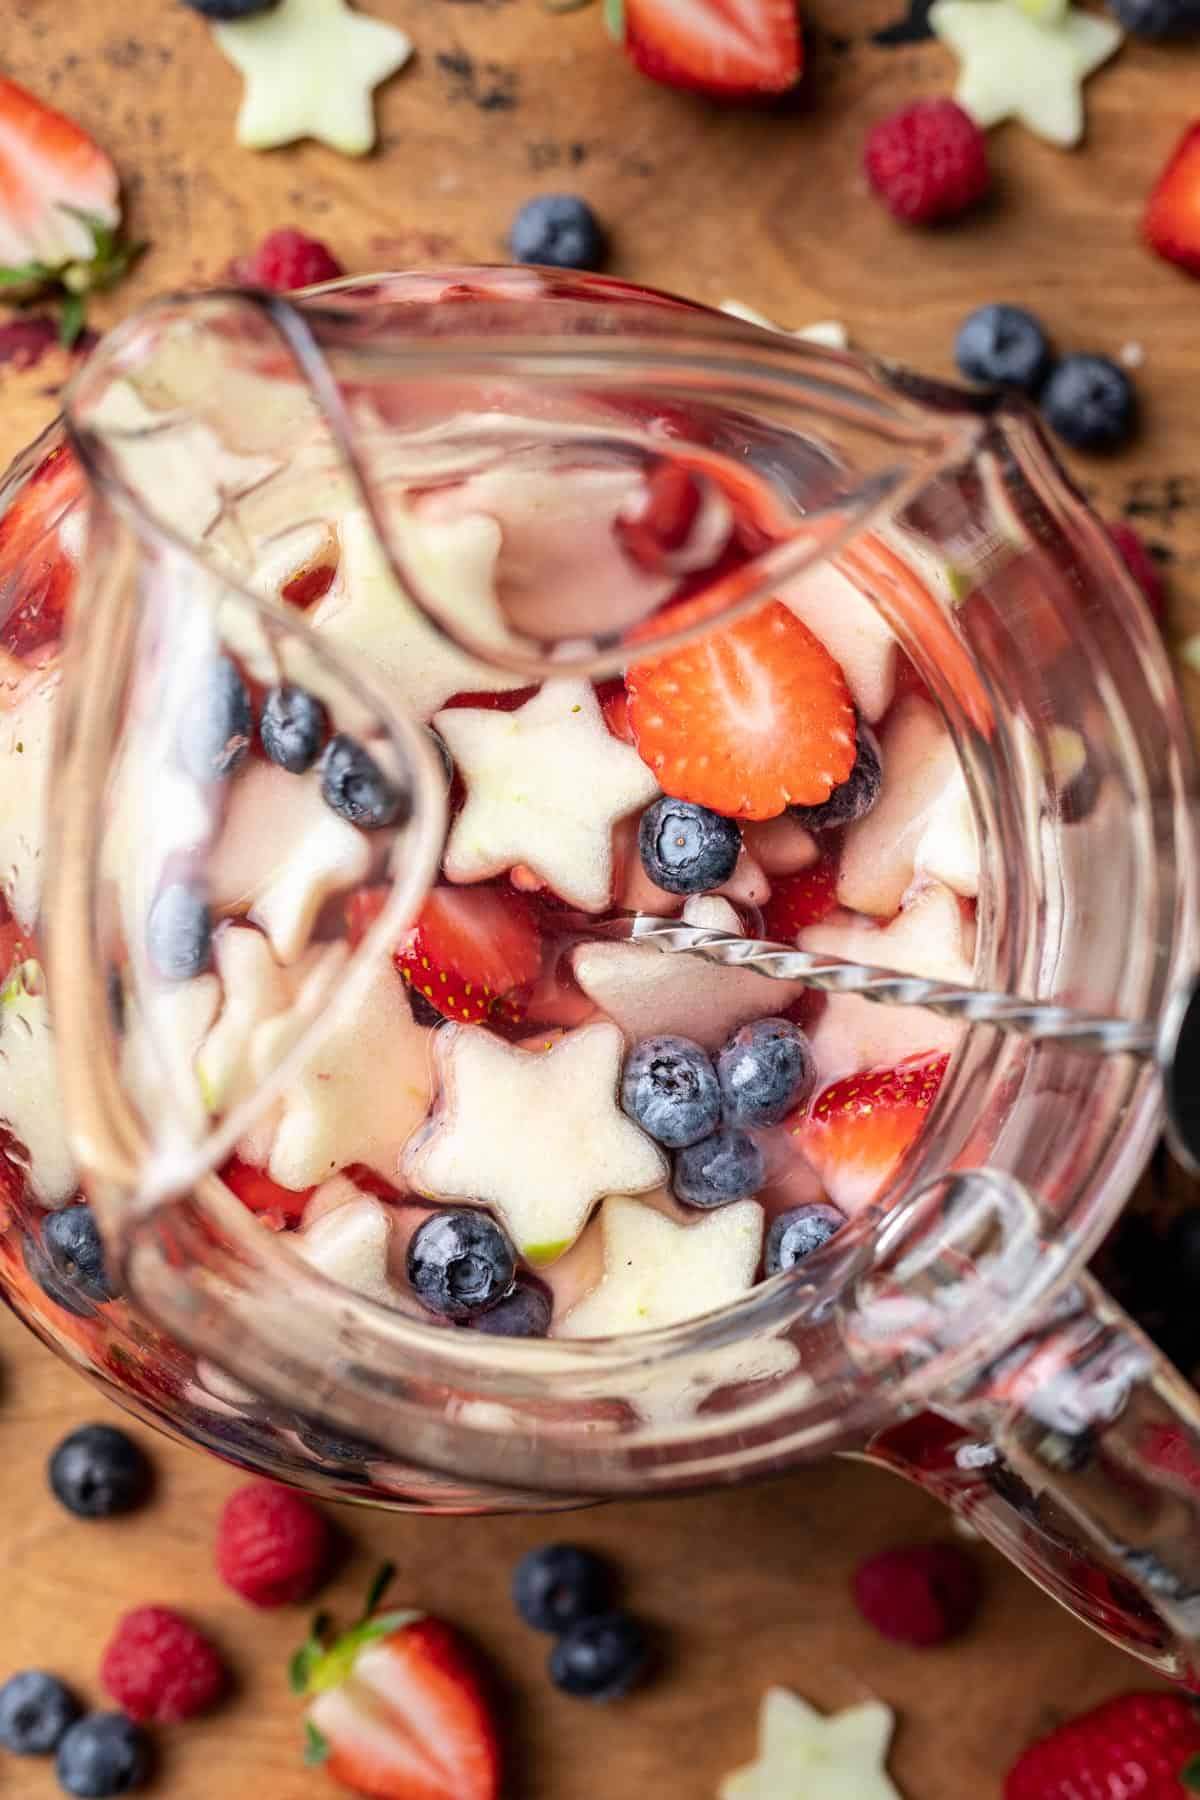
[259, 1194]
[36, 575]
[59, 207]
[750, 718]
[857, 1129]
[728, 49]
[397, 1710]
[799, 900]
[1171, 223]
[614, 704]
[668, 511]
[309, 585]
[470, 951]
[1143, 1744]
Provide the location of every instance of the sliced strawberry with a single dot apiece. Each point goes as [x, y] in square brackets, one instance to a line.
[309, 585]
[668, 509]
[730, 49]
[799, 900]
[857, 1129]
[15, 947]
[259, 1194]
[748, 719]
[398, 1710]
[614, 704]
[1171, 224]
[36, 574]
[361, 911]
[471, 951]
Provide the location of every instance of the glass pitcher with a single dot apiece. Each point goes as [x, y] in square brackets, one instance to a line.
[189, 507]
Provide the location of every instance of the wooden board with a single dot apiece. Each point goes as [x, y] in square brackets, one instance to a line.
[746, 1588]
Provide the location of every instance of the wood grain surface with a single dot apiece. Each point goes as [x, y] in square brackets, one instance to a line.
[503, 100]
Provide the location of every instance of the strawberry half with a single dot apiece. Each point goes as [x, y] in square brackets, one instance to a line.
[472, 951]
[729, 49]
[397, 1709]
[36, 574]
[857, 1129]
[1171, 225]
[59, 207]
[799, 900]
[748, 719]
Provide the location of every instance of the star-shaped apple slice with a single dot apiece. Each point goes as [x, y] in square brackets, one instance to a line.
[648, 992]
[802, 1752]
[534, 1132]
[30, 1100]
[545, 786]
[350, 1243]
[26, 741]
[254, 989]
[311, 68]
[1012, 67]
[657, 1271]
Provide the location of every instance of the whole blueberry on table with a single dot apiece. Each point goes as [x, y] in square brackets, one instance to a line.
[722, 1168]
[179, 932]
[292, 727]
[73, 1248]
[524, 1313]
[601, 1657]
[559, 1584]
[1003, 346]
[35, 1710]
[98, 1472]
[355, 786]
[853, 798]
[1090, 403]
[560, 230]
[687, 849]
[797, 1233]
[102, 1755]
[228, 11]
[1157, 18]
[669, 1087]
[764, 1070]
[217, 723]
[460, 1262]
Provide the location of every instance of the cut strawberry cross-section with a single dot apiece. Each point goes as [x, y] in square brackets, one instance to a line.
[800, 900]
[857, 1129]
[473, 952]
[750, 718]
[36, 574]
[1172, 219]
[730, 49]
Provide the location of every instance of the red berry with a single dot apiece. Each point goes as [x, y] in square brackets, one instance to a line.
[1142, 566]
[1171, 224]
[799, 900]
[159, 1668]
[287, 259]
[272, 1545]
[927, 162]
[1146, 1745]
[918, 1594]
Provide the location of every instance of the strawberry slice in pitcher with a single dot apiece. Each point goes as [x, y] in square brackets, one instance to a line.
[857, 1129]
[36, 574]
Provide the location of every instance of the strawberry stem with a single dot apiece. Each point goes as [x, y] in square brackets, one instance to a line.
[380, 1583]
[614, 18]
[1189, 1775]
[316, 1745]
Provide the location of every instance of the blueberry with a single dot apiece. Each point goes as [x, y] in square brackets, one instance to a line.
[559, 1584]
[853, 798]
[687, 849]
[670, 1089]
[179, 932]
[459, 1262]
[796, 1234]
[764, 1070]
[292, 727]
[355, 786]
[557, 229]
[71, 1240]
[101, 1755]
[35, 1710]
[1157, 18]
[1090, 402]
[98, 1472]
[726, 1166]
[600, 1658]
[331, 1446]
[442, 749]
[61, 1292]
[1003, 346]
[217, 723]
[526, 1313]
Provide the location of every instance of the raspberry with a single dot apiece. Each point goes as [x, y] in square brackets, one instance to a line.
[272, 1545]
[918, 1594]
[159, 1668]
[1142, 566]
[927, 162]
[286, 259]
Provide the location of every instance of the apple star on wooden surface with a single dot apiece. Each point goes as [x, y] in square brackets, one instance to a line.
[1013, 67]
[806, 1755]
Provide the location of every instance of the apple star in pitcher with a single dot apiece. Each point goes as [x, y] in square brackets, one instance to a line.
[655, 1269]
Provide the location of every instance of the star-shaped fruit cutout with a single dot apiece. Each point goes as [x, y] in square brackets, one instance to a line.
[534, 1132]
[30, 1101]
[254, 989]
[649, 991]
[802, 1752]
[26, 741]
[358, 1095]
[367, 612]
[351, 1244]
[545, 786]
[311, 68]
[657, 1271]
[1012, 67]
